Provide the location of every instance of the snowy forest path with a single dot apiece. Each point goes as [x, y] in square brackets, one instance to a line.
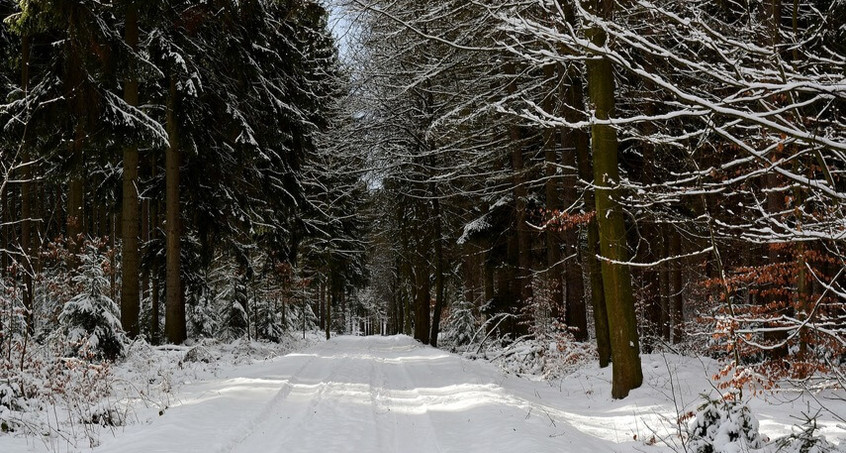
[379, 394]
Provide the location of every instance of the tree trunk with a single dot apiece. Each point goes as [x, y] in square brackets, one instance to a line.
[26, 201]
[154, 271]
[489, 282]
[391, 319]
[422, 296]
[408, 309]
[581, 142]
[440, 292]
[521, 195]
[676, 289]
[114, 227]
[175, 327]
[555, 284]
[650, 301]
[664, 285]
[130, 303]
[7, 222]
[142, 248]
[345, 318]
[75, 217]
[321, 289]
[576, 314]
[330, 297]
[627, 373]
[400, 307]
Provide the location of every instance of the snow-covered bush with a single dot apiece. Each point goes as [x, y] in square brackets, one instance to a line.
[13, 337]
[42, 389]
[570, 355]
[236, 319]
[105, 414]
[84, 388]
[806, 439]
[461, 325]
[550, 358]
[212, 289]
[12, 398]
[203, 319]
[550, 350]
[310, 318]
[199, 353]
[12, 311]
[294, 318]
[89, 322]
[268, 319]
[22, 379]
[542, 312]
[723, 425]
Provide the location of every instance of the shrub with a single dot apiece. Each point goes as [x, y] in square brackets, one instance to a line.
[806, 439]
[723, 425]
[89, 323]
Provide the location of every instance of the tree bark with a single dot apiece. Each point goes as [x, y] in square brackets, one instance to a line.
[521, 195]
[114, 228]
[26, 200]
[422, 296]
[664, 285]
[130, 303]
[676, 289]
[74, 90]
[489, 282]
[154, 271]
[321, 294]
[576, 314]
[616, 278]
[345, 319]
[775, 204]
[440, 292]
[650, 239]
[175, 327]
[329, 299]
[75, 217]
[398, 296]
[142, 249]
[552, 234]
[581, 142]
[7, 222]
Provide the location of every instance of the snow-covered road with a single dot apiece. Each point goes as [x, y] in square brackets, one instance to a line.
[363, 394]
[391, 394]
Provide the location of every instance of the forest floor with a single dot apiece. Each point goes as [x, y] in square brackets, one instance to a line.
[391, 394]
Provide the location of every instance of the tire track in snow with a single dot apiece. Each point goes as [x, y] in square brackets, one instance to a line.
[428, 436]
[294, 424]
[386, 438]
[250, 427]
